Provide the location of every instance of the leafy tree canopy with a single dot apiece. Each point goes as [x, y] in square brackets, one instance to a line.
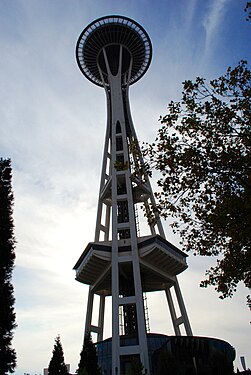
[7, 257]
[57, 365]
[202, 152]
[248, 10]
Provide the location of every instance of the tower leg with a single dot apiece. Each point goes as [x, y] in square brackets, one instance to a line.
[115, 300]
[183, 310]
[88, 320]
[172, 311]
[141, 324]
[183, 318]
[101, 317]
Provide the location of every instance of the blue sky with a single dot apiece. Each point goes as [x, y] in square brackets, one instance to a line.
[52, 126]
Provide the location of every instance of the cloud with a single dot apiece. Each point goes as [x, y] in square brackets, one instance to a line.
[212, 23]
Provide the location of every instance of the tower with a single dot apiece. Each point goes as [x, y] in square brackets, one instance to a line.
[114, 52]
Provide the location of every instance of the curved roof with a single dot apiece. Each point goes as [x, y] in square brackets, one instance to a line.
[111, 31]
[160, 262]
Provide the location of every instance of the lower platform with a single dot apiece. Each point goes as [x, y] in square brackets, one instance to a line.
[174, 355]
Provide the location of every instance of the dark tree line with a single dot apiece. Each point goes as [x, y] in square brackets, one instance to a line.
[88, 364]
[7, 258]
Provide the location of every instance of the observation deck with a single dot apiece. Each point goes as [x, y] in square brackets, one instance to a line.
[110, 33]
[160, 262]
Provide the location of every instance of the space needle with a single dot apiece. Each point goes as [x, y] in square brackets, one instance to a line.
[114, 52]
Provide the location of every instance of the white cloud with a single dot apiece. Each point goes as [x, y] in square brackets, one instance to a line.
[212, 23]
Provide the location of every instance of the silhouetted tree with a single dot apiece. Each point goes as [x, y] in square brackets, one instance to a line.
[136, 367]
[202, 152]
[248, 10]
[88, 364]
[57, 365]
[7, 257]
[220, 365]
[166, 362]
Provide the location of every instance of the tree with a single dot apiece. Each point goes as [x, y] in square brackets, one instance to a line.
[248, 10]
[57, 365]
[7, 257]
[220, 364]
[88, 364]
[136, 367]
[202, 152]
[83, 372]
[165, 360]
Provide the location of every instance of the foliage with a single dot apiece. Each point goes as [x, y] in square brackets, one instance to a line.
[7, 257]
[220, 364]
[248, 10]
[83, 372]
[202, 152]
[57, 365]
[166, 360]
[136, 367]
[88, 364]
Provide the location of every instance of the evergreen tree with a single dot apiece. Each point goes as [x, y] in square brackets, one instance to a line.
[136, 367]
[57, 365]
[88, 364]
[7, 257]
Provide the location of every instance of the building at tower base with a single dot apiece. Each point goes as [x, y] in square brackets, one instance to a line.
[175, 355]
